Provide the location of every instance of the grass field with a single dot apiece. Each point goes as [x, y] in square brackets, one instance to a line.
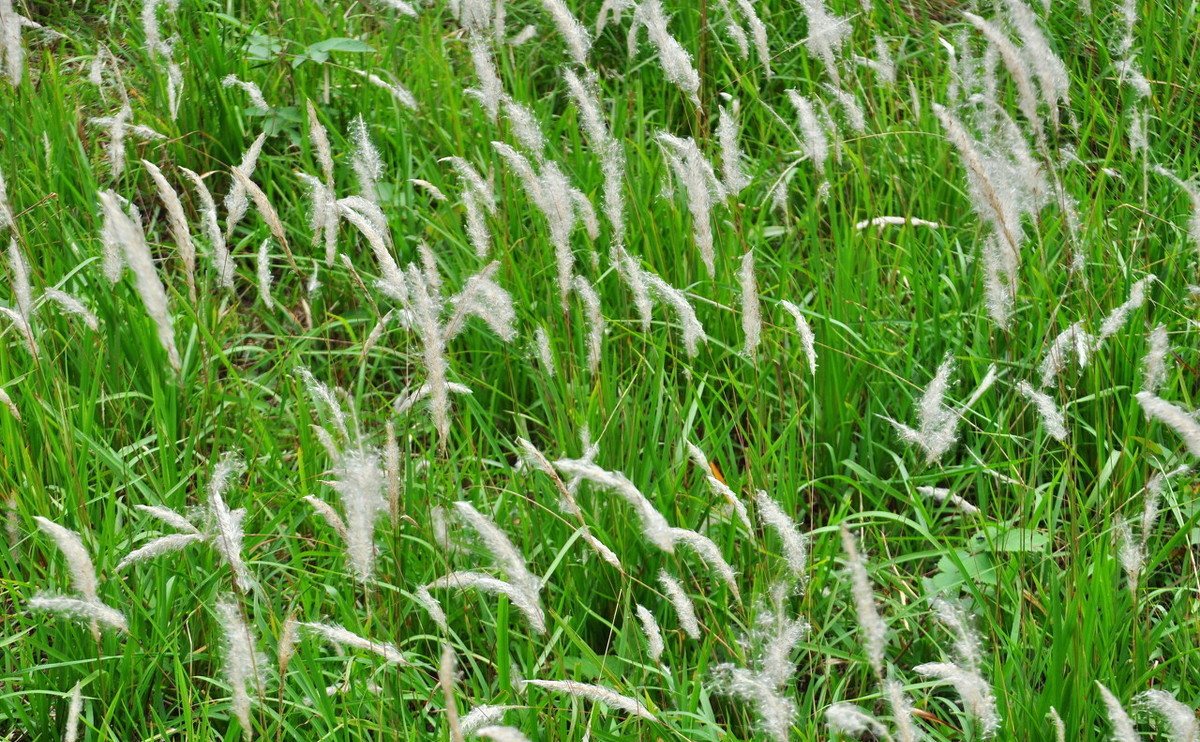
[486, 343]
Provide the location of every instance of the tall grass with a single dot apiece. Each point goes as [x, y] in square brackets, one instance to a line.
[797, 370]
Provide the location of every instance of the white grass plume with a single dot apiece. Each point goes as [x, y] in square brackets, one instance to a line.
[999, 199]
[137, 256]
[74, 710]
[695, 173]
[482, 716]
[322, 215]
[594, 693]
[7, 401]
[267, 211]
[1191, 188]
[1015, 62]
[654, 638]
[319, 138]
[815, 142]
[1117, 318]
[826, 34]
[758, 34]
[447, 676]
[501, 734]
[263, 270]
[884, 64]
[236, 202]
[585, 93]
[710, 553]
[506, 556]
[211, 229]
[360, 485]
[1047, 68]
[118, 126]
[97, 614]
[733, 176]
[227, 539]
[937, 423]
[72, 305]
[570, 29]
[252, 91]
[326, 511]
[430, 188]
[1060, 729]
[1154, 365]
[545, 354]
[1051, 416]
[684, 608]
[425, 313]
[631, 272]
[343, 638]
[873, 629]
[479, 201]
[675, 61]
[1154, 492]
[325, 398]
[242, 662]
[520, 598]
[485, 299]
[10, 36]
[751, 309]
[717, 487]
[852, 721]
[159, 546]
[972, 689]
[855, 118]
[1073, 339]
[560, 203]
[422, 595]
[942, 494]
[1183, 423]
[490, 89]
[763, 682]
[654, 525]
[367, 162]
[690, 327]
[1123, 729]
[531, 456]
[170, 517]
[402, 94]
[883, 221]
[807, 339]
[902, 711]
[83, 580]
[1130, 552]
[392, 281]
[24, 328]
[1178, 718]
[525, 127]
[21, 286]
[795, 543]
[6, 212]
[595, 321]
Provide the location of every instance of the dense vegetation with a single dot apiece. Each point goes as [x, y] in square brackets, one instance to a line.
[515, 331]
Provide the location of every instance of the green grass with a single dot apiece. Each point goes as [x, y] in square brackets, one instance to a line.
[106, 425]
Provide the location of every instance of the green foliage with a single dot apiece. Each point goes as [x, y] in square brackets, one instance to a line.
[106, 425]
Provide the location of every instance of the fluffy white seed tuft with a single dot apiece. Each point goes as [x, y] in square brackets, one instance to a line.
[684, 608]
[1051, 416]
[1123, 729]
[654, 638]
[874, 630]
[594, 693]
